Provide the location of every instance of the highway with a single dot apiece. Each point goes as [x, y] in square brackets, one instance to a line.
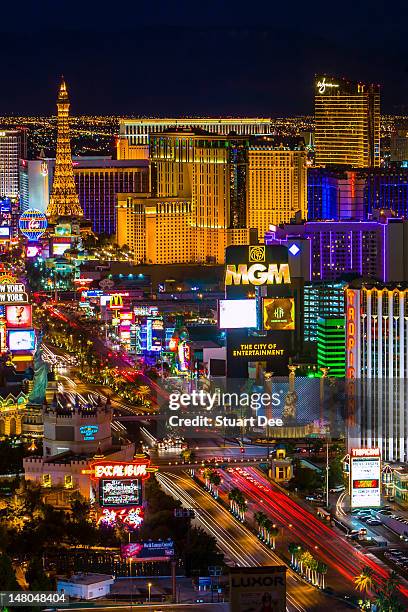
[238, 544]
[343, 560]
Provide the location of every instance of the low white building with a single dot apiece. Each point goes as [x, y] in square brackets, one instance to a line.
[85, 586]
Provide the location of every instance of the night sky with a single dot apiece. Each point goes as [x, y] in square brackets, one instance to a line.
[190, 58]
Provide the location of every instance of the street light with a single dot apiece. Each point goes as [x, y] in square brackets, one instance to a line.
[149, 584]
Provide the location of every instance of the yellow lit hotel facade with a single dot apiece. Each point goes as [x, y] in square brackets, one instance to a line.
[210, 191]
[133, 141]
[347, 123]
[276, 185]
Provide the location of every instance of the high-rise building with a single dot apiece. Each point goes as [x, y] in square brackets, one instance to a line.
[347, 123]
[377, 330]
[64, 198]
[340, 194]
[376, 248]
[34, 184]
[331, 349]
[321, 299]
[12, 148]
[133, 141]
[98, 180]
[399, 142]
[276, 182]
[218, 189]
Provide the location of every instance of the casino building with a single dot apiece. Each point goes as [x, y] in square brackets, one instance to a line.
[347, 122]
[74, 437]
[377, 367]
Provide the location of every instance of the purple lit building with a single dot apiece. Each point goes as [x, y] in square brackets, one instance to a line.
[330, 250]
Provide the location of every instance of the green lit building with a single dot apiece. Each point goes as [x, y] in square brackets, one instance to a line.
[331, 345]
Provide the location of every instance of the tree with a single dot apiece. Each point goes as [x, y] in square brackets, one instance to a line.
[200, 551]
[215, 481]
[321, 572]
[364, 580]
[36, 577]
[8, 580]
[306, 561]
[386, 598]
[260, 518]
[294, 549]
[335, 472]
[237, 503]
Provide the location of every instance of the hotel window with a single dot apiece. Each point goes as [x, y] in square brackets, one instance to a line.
[46, 480]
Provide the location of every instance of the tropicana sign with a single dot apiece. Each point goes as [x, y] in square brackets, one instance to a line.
[257, 274]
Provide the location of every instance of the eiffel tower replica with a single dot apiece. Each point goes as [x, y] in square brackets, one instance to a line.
[64, 207]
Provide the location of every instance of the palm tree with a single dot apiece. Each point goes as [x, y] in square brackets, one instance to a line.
[294, 548]
[321, 571]
[364, 580]
[237, 503]
[215, 481]
[260, 518]
[386, 596]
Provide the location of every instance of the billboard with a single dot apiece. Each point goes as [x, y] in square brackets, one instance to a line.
[32, 224]
[12, 291]
[59, 248]
[152, 550]
[278, 313]
[19, 316]
[258, 588]
[236, 314]
[4, 232]
[262, 272]
[120, 493]
[21, 340]
[365, 477]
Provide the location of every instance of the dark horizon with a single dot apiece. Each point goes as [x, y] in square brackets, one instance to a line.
[207, 71]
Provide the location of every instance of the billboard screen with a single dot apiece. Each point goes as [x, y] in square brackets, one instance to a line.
[365, 477]
[59, 248]
[119, 493]
[4, 232]
[18, 316]
[151, 550]
[23, 340]
[236, 314]
[278, 313]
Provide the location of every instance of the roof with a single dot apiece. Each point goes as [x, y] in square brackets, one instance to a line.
[86, 578]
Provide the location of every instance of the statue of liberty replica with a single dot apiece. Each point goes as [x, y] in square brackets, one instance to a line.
[40, 380]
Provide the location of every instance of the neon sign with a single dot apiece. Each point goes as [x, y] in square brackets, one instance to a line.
[323, 85]
[88, 431]
[351, 333]
[116, 469]
[32, 224]
[130, 517]
[257, 274]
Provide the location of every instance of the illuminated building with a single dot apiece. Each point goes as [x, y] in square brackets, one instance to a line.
[331, 349]
[377, 367]
[377, 333]
[73, 437]
[34, 184]
[98, 180]
[321, 299]
[374, 248]
[12, 148]
[338, 194]
[399, 143]
[64, 198]
[347, 123]
[133, 142]
[197, 205]
[276, 182]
